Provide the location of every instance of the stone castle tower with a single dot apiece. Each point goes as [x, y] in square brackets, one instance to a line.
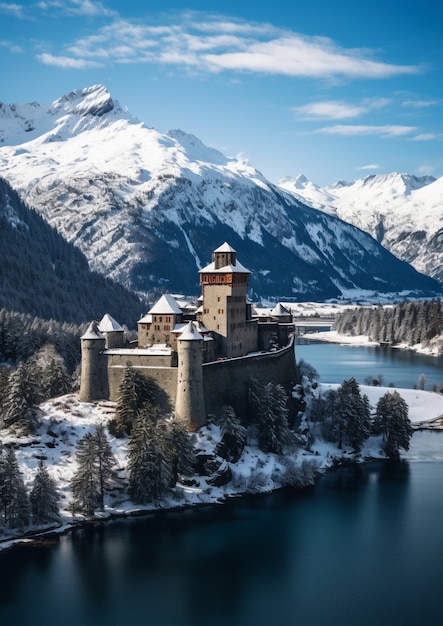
[190, 401]
[224, 284]
[93, 381]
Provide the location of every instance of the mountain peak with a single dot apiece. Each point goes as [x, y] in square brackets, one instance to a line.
[95, 100]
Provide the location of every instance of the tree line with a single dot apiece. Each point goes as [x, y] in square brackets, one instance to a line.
[410, 323]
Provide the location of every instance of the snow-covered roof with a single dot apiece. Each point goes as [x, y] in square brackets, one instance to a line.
[108, 324]
[280, 310]
[92, 332]
[227, 269]
[190, 333]
[225, 247]
[146, 319]
[167, 304]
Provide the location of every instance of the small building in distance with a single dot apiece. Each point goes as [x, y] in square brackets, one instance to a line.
[198, 362]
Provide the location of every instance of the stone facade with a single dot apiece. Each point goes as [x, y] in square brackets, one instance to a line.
[199, 365]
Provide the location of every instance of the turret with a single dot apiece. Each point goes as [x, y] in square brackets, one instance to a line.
[93, 381]
[112, 331]
[190, 402]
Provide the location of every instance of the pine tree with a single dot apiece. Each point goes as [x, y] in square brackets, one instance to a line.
[84, 483]
[233, 433]
[392, 421]
[15, 507]
[134, 391]
[44, 497]
[354, 411]
[182, 446]
[150, 462]
[95, 462]
[105, 462]
[269, 402]
[55, 379]
[17, 408]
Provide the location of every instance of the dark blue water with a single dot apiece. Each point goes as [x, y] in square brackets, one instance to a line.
[402, 368]
[364, 547]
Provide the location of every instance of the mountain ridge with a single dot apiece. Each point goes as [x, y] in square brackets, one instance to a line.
[402, 211]
[147, 208]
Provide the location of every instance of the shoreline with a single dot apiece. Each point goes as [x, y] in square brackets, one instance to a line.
[332, 336]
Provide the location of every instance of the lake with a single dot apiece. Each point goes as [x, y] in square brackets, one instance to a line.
[402, 368]
[363, 547]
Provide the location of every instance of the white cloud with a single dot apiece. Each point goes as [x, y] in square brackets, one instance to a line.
[4, 43]
[67, 62]
[427, 137]
[90, 8]
[370, 166]
[330, 110]
[419, 104]
[386, 131]
[215, 44]
[16, 10]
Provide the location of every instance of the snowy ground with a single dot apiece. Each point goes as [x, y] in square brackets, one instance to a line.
[65, 420]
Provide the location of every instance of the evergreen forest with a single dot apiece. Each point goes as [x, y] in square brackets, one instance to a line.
[43, 275]
[407, 323]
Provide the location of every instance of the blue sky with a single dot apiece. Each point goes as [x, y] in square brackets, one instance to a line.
[331, 89]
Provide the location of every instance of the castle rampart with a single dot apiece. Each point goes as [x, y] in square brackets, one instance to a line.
[227, 381]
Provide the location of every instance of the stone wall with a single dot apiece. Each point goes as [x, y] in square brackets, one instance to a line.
[227, 381]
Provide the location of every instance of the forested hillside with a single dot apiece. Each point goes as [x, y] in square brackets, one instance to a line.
[410, 323]
[45, 276]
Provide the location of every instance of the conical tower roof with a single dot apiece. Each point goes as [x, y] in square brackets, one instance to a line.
[190, 333]
[92, 332]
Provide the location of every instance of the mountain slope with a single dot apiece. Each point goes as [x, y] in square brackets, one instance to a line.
[148, 208]
[403, 212]
[43, 275]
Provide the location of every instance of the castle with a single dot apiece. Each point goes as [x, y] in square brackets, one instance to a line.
[198, 361]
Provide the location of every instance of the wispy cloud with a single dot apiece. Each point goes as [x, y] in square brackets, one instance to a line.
[330, 110]
[210, 43]
[32, 10]
[335, 110]
[12, 47]
[420, 104]
[370, 166]
[16, 10]
[67, 62]
[427, 137]
[386, 131]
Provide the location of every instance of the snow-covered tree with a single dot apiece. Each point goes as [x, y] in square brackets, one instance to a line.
[14, 501]
[269, 402]
[44, 497]
[94, 469]
[234, 437]
[150, 462]
[134, 391]
[18, 410]
[182, 447]
[392, 421]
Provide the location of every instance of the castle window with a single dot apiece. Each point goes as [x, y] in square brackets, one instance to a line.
[167, 327]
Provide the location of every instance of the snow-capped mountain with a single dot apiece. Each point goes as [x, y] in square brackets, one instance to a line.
[403, 212]
[148, 208]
